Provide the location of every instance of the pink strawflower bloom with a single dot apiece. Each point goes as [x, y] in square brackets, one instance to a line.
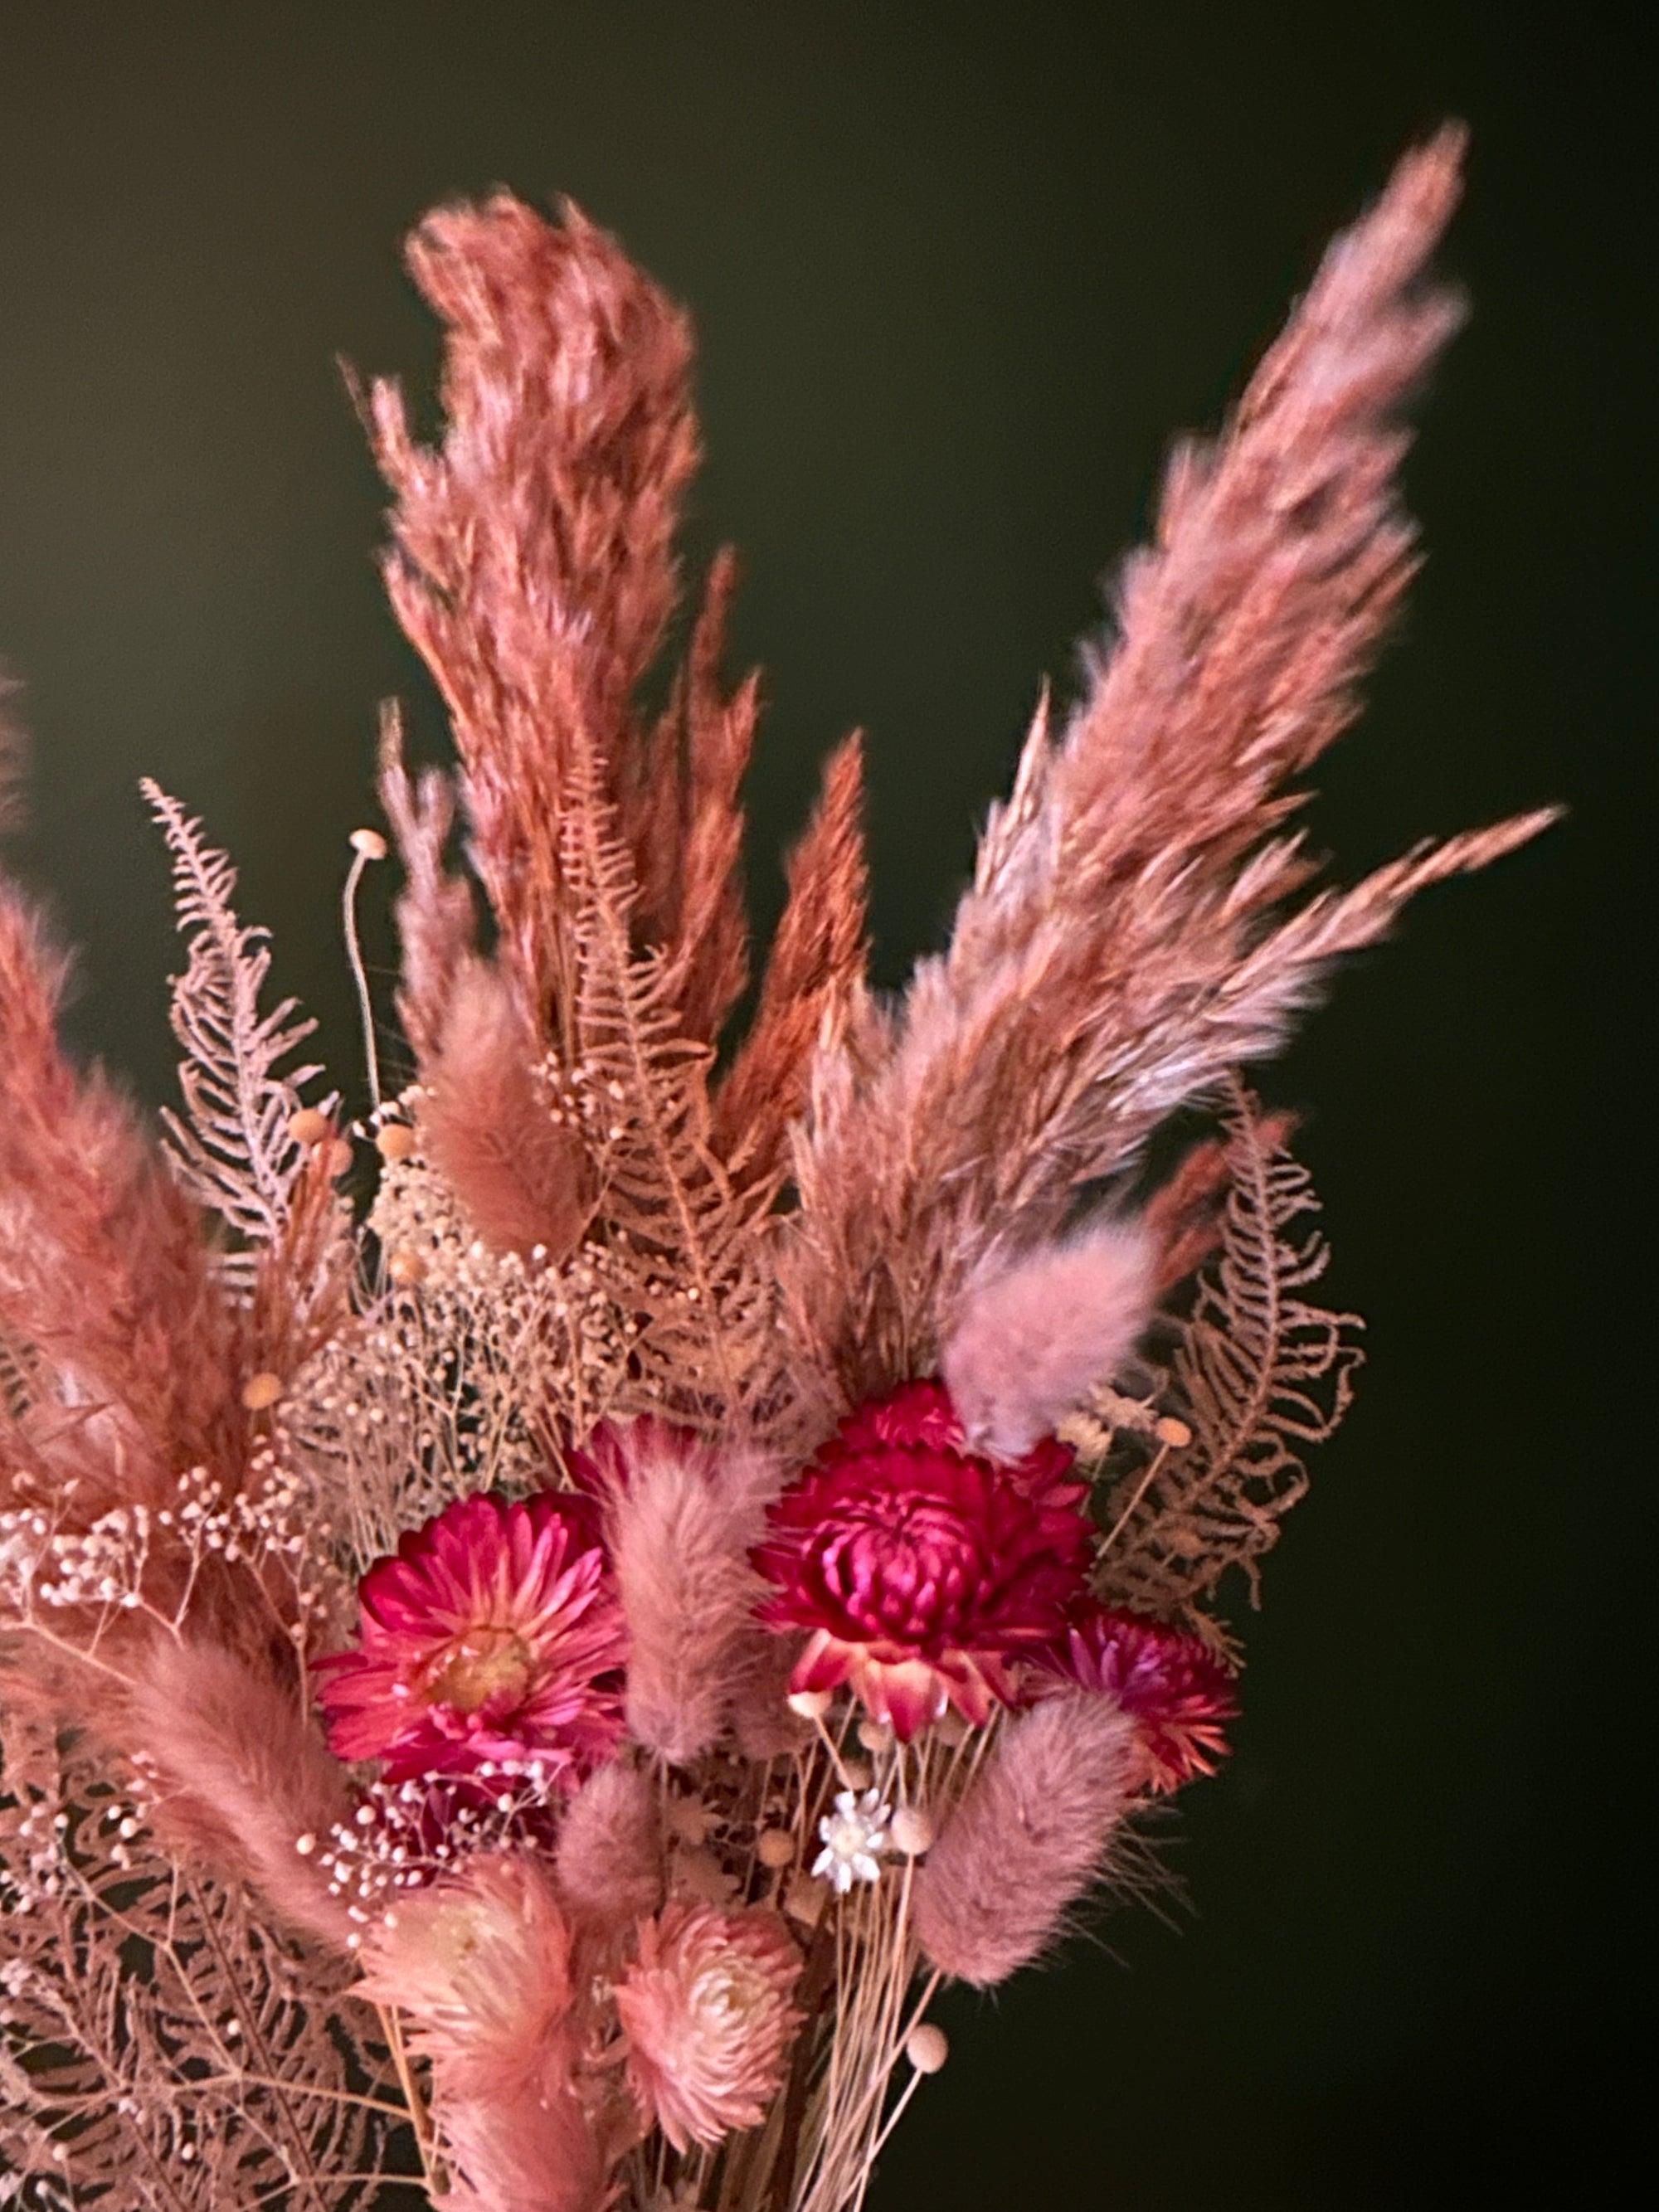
[1177, 1693]
[923, 1572]
[493, 1634]
[706, 2008]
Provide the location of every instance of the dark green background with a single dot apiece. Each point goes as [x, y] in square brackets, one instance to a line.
[958, 275]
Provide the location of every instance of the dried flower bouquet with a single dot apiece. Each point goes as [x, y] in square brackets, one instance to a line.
[532, 1693]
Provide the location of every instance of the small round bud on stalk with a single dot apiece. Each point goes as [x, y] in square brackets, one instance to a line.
[810, 1704]
[951, 1728]
[775, 1847]
[1170, 1431]
[261, 1390]
[859, 1773]
[337, 1158]
[912, 1831]
[405, 1267]
[874, 1735]
[926, 2047]
[308, 1126]
[396, 1141]
[369, 844]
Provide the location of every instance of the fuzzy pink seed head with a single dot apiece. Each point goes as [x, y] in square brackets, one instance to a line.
[1175, 1690]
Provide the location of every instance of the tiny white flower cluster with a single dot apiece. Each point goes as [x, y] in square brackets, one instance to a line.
[105, 1566]
[854, 1837]
[404, 1834]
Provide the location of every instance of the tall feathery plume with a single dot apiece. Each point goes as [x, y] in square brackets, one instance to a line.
[1120, 946]
[1033, 1336]
[489, 1126]
[531, 561]
[681, 1518]
[1027, 1840]
[435, 921]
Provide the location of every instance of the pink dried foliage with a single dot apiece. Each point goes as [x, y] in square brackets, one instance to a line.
[241, 1775]
[436, 925]
[1033, 1335]
[1027, 1840]
[682, 1518]
[492, 1633]
[487, 1124]
[483, 1968]
[922, 1573]
[531, 561]
[1126, 938]
[610, 1853]
[814, 979]
[103, 1270]
[706, 2010]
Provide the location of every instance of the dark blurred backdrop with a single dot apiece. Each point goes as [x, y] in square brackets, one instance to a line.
[959, 273]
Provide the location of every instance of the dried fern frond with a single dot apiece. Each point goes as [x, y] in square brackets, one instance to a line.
[1259, 1373]
[693, 1240]
[1121, 944]
[290, 1254]
[161, 2047]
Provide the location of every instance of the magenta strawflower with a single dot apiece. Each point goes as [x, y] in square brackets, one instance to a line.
[706, 2008]
[1170, 1685]
[923, 1572]
[492, 1634]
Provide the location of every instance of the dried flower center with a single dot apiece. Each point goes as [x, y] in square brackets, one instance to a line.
[482, 1667]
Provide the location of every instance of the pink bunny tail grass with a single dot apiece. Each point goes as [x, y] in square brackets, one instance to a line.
[682, 1520]
[241, 1777]
[1032, 1338]
[1026, 1841]
[487, 1126]
[610, 1860]
[481, 1968]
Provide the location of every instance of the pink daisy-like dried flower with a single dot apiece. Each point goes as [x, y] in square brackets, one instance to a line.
[492, 1634]
[921, 1569]
[1175, 1690]
[706, 2010]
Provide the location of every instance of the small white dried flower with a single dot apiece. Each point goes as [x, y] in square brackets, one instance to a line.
[853, 1836]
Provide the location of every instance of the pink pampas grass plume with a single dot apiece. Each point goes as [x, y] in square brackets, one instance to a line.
[707, 2015]
[1033, 1337]
[1026, 1840]
[481, 1969]
[242, 1776]
[681, 1518]
[610, 1859]
[487, 1124]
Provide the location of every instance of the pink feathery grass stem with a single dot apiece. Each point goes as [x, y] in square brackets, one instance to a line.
[1034, 1334]
[1027, 1840]
[610, 1854]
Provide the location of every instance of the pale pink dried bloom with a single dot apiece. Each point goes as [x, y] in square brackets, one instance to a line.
[707, 2011]
[241, 1775]
[487, 1124]
[481, 1969]
[610, 1853]
[681, 1516]
[1033, 1335]
[1027, 1839]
